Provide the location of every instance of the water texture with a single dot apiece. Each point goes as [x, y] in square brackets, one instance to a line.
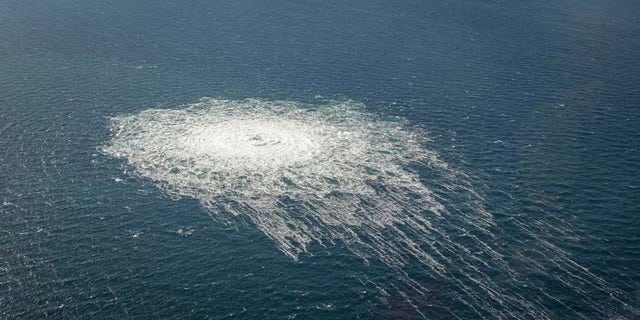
[438, 160]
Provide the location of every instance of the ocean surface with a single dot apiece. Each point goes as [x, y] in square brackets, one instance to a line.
[324, 159]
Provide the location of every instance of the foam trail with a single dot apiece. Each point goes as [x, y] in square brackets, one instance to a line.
[335, 173]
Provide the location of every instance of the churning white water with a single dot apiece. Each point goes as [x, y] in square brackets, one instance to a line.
[346, 173]
[335, 173]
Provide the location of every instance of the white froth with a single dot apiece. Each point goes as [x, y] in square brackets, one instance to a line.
[328, 174]
[254, 144]
[265, 149]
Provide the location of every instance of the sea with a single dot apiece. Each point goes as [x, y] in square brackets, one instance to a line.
[319, 159]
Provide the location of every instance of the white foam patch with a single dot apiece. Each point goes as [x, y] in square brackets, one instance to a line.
[267, 156]
[335, 174]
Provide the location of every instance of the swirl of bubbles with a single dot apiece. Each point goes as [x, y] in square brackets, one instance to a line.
[334, 173]
[334, 161]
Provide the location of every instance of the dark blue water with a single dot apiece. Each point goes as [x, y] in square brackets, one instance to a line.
[537, 102]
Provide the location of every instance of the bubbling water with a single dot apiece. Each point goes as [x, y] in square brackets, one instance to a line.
[336, 174]
[254, 144]
[255, 154]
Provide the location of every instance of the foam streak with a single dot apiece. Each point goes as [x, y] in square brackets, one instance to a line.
[335, 173]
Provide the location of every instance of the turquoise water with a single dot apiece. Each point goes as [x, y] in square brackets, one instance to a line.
[503, 135]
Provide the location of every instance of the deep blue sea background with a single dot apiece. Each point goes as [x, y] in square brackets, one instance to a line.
[539, 102]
